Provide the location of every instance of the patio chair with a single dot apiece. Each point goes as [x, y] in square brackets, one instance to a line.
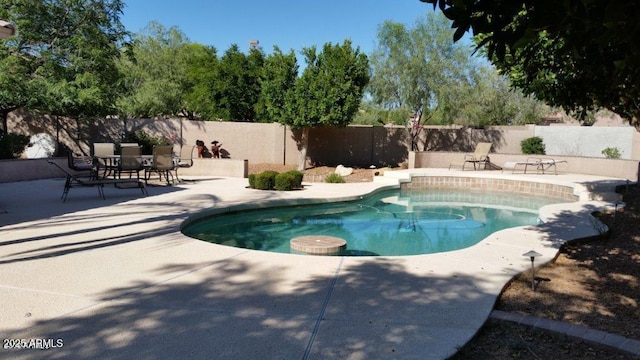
[80, 163]
[162, 163]
[185, 160]
[546, 164]
[130, 161]
[479, 157]
[103, 154]
[77, 180]
[541, 165]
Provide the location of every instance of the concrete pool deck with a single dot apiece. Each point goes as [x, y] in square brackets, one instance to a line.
[115, 278]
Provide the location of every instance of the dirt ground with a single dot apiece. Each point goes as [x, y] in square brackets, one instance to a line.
[594, 284]
[317, 174]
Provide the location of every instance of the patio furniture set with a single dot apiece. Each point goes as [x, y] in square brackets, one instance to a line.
[105, 167]
[480, 160]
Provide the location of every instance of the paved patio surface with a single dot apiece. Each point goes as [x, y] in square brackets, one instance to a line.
[115, 278]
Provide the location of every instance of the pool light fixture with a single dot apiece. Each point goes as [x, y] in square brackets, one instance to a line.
[532, 255]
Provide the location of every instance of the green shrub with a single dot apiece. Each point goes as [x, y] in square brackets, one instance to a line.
[265, 180]
[252, 181]
[12, 145]
[611, 153]
[146, 141]
[298, 176]
[533, 145]
[334, 178]
[285, 182]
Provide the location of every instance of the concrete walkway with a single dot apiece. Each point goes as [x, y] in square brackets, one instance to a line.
[115, 278]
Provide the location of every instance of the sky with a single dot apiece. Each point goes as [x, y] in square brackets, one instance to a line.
[289, 24]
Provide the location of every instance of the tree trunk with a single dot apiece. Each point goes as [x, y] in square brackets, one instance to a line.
[3, 117]
[304, 144]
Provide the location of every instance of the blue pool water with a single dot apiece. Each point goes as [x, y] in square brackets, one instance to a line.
[388, 223]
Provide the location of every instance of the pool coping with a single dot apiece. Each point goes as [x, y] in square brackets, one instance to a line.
[76, 267]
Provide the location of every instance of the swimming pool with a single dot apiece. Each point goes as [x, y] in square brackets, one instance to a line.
[389, 223]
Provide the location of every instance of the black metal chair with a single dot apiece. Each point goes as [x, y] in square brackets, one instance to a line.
[130, 161]
[162, 163]
[185, 160]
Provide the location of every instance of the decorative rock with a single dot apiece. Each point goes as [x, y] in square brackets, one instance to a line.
[343, 171]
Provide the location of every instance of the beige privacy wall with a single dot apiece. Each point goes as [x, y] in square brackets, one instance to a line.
[350, 146]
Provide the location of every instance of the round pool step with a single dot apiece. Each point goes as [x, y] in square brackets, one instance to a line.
[318, 245]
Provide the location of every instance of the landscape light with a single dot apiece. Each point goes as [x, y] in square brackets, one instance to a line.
[532, 255]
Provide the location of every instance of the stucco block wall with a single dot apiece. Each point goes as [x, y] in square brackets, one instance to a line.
[625, 169]
[217, 167]
[586, 141]
[350, 146]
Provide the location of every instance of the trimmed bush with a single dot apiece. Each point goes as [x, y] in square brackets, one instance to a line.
[252, 181]
[334, 178]
[533, 145]
[265, 180]
[298, 176]
[146, 141]
[285, 181]
[611, 153]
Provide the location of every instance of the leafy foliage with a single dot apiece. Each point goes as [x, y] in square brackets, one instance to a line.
[62, 60]
[329, 91]
[146, 141]
[420, 77]
[202, 62]
[297, 178]
[265, 180]
[12, 145]
[334, 178]
[611, 153]
[235, 92]
[155, 75]
[278, 86]
[419, 68]
[272, 180]
[285, 182]
[577, 54]
[533, 145]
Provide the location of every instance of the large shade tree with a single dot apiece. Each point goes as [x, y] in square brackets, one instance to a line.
[329, 91]
[155, 73]
[419, 70]
[278, 86]
[418, 67]
[62, 58]
[577, 54]
[202, 63]
[236, 90]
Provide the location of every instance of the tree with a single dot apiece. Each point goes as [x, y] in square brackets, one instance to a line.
[62, 58]
[329, 91]
[236, 90]
[202, 62]
[278, 86]
[415, 67]
[155, 73]
[420, 70]
[577, 54]
[492, 101]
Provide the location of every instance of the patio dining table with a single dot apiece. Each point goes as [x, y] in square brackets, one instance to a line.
[111, 162]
